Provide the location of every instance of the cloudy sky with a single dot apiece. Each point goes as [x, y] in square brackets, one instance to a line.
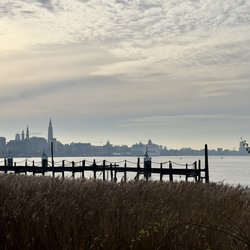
[174, 71]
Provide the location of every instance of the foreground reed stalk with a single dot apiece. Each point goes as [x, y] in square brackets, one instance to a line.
[51, 213]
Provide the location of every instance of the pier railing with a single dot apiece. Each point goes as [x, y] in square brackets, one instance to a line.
[109, 170]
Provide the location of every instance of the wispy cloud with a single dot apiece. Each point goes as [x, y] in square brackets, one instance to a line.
[136, 58]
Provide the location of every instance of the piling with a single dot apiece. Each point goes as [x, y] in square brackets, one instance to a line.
[170, 175]
[206, 165]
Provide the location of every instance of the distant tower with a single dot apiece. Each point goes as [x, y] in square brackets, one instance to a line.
[27, 134]
[22, 135]
[50, 132]
[17, 137]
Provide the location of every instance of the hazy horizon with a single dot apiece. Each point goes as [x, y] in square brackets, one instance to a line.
[127, 71]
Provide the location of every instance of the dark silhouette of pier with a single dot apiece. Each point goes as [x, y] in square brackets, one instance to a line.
[109, 170]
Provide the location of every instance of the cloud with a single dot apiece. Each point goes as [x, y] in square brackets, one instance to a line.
[126, 58]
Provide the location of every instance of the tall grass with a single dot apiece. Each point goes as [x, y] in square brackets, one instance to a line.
[47, 213]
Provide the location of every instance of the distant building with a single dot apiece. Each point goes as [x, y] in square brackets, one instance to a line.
[23, 135]
[27, 134]
[2, 142]
[37, 145]
[138, 149]
[220, 150]
[153, 149]
[17, 137]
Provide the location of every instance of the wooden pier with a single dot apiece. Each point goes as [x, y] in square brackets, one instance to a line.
[110, 170]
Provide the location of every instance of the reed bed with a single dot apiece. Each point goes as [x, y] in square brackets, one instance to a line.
[51, 213]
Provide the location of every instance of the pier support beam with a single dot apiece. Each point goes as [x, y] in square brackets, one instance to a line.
[206, 165]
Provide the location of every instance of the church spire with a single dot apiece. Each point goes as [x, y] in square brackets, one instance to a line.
[50, 132]
[27, 133]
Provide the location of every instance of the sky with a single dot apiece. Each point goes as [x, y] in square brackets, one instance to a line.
[176, 72]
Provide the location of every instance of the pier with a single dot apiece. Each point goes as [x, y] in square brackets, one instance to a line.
[108, 171]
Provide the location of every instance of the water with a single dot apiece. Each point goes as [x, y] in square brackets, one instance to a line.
[231, 170]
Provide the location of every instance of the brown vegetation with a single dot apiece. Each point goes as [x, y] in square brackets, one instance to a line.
[47, 213]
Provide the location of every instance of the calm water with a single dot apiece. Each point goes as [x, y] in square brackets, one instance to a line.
[228, 169]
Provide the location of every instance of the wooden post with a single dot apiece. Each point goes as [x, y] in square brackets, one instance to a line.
[83, 166]
[73, 171]
[26, 163]
[26, 171]
[52, 158]
[161, 172]
[199, 167]
[206, 165]
[103, 171]
[115, 179]
[186, 172]
[138, 168]
[34, 170]
[125, 171]
[171, 173]
[94, 169]
[63, 165]
[16, 171]
[111, 172]
[33, 165]
[195, 167]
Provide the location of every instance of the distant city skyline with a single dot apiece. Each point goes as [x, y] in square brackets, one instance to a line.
[25, 145]
[125, 71]
[49, 137]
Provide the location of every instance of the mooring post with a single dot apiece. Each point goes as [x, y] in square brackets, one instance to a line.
[103, 171]
[63, 165]
[73, 170]
[94, 169]
[138, 168]
[195, 167]
[125, 171]
[170, 171]
[9, 162]
[52, 158]
[34, 170]
[33, 165]
[206, 164]
[115, 179]
[83, 166]
[199, 167]
[111, 172]
[16, 171]
[161, 172]
[187, 172]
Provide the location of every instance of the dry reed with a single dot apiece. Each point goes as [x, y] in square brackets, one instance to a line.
[46, 213]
